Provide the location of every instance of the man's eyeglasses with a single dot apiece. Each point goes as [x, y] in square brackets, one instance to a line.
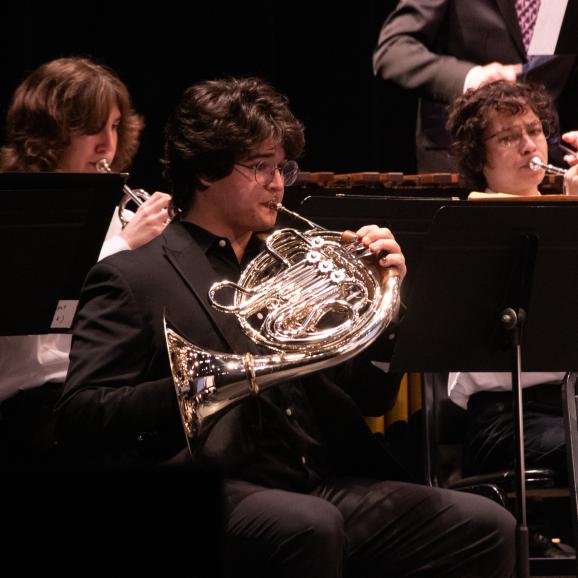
[512, 137]
[264, 171]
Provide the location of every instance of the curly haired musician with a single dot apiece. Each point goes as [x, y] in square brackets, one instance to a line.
[308, 489]
[496, 131]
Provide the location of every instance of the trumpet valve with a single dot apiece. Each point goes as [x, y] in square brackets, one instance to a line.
[102, 166]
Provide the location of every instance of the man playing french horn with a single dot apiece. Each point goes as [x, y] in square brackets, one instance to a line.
[308, 490]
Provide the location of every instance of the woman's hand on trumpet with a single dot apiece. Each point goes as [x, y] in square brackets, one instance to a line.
[378, 239]
[149, 221]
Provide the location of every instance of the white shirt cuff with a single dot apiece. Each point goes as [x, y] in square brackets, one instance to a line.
[113, 245]
[383, 365]
[471, 72]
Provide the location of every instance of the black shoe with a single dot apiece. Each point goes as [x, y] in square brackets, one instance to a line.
[542, 547]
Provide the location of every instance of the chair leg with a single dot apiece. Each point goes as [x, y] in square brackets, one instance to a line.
[570, 410]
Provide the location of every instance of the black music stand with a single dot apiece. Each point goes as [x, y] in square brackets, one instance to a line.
[497, 292]
[52, 226]
[409, 218]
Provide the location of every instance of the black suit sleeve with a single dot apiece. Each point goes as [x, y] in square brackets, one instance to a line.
[113, 394]
[406, 51]
[373, 390]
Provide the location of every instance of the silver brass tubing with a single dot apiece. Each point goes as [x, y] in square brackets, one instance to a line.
[281, 209]
[352, 245]
[536, 164]
[139, 198]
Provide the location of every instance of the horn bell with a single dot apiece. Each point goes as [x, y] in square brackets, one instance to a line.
[209, 383]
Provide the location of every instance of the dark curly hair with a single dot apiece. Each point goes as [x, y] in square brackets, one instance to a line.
[61, 97]
[214, 126]
[469, 117]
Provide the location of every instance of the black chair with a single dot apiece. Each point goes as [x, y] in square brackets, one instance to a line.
[444, 434]
[570, 411]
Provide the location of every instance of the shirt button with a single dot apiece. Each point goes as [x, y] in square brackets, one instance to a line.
[222, 243]
[303, 460]
[289, 411]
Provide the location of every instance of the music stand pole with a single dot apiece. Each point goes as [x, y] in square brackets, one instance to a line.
[513, 322]
[485, 273]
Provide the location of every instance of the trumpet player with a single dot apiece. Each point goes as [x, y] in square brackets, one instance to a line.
[65, 116]
[496, 132]
[308, 490]
[68, 115]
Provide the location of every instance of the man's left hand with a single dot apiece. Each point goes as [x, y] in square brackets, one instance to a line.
[378, 239]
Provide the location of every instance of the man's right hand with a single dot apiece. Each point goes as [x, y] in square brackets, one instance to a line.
[480, 75]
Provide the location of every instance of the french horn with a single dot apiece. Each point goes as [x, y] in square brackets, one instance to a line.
[311, 299]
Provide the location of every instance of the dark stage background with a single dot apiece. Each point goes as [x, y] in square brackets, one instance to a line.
[322, 62]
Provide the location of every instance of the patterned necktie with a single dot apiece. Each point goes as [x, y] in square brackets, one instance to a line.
[527, 11]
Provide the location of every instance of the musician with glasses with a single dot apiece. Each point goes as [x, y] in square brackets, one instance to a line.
[65, 116]
[496, 131]
[308, 489]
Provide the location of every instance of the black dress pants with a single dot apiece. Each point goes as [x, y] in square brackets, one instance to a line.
[365, 528]
[490, 444]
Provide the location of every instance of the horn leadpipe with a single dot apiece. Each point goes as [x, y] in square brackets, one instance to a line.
[281, 209]
[348, 237]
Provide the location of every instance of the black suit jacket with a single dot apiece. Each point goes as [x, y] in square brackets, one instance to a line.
[119, 402]
[430, 46]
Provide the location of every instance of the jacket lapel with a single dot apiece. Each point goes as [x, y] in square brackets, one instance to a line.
[194, 269]
[508, 10]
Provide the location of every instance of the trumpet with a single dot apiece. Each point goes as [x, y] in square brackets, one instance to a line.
[138, 196]
[536, 164]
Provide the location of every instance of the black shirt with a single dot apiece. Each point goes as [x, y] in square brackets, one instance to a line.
[289, 450]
